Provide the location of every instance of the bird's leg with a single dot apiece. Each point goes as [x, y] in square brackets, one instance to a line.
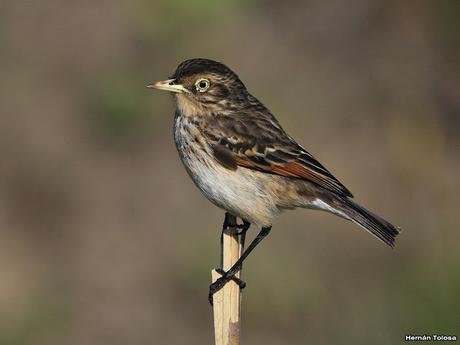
[244, 228]
[229, 275]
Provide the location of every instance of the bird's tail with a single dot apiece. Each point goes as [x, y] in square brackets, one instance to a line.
[377, 226]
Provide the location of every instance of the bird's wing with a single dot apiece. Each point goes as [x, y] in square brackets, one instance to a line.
[259, 143]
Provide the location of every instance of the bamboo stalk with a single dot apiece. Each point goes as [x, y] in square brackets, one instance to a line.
[227, 301]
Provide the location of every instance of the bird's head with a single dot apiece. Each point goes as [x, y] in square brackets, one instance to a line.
[202, 84]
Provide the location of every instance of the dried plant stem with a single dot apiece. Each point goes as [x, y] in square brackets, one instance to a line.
[227, 301]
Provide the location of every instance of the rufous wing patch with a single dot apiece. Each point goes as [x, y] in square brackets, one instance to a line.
[295, 169]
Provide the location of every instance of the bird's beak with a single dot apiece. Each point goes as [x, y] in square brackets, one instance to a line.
[168, 86]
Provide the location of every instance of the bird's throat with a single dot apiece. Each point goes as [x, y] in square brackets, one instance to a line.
[189, 107]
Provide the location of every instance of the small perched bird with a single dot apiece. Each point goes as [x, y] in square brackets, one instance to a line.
[244, 162]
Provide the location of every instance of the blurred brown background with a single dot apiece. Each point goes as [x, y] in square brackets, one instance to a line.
[105, 240]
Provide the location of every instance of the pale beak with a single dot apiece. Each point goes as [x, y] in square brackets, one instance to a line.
[167, 86]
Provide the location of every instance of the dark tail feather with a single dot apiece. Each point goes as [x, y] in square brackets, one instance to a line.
[376, 225]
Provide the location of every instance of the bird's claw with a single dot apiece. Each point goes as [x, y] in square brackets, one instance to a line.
[238, 281]
[244, 227]
[220, 283]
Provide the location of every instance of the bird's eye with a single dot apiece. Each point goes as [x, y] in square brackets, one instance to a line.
[202, 85]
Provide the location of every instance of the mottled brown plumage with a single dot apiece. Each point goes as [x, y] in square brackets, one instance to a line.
[256, 141]
[240, 157]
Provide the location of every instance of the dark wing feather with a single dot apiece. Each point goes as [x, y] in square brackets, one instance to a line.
[225, 157]
[257, 141]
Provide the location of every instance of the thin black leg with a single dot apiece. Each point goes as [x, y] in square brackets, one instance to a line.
[227, 276]
[244, 229]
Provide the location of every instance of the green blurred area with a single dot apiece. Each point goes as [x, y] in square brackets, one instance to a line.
[118, 108]
[105, 240]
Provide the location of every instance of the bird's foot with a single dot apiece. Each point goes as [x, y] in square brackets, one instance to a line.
[244, 227]
[238, 281]
[220, 283]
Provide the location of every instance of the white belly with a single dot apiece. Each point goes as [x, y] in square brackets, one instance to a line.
[243, 192]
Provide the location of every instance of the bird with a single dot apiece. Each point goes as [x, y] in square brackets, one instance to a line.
[244, 162]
